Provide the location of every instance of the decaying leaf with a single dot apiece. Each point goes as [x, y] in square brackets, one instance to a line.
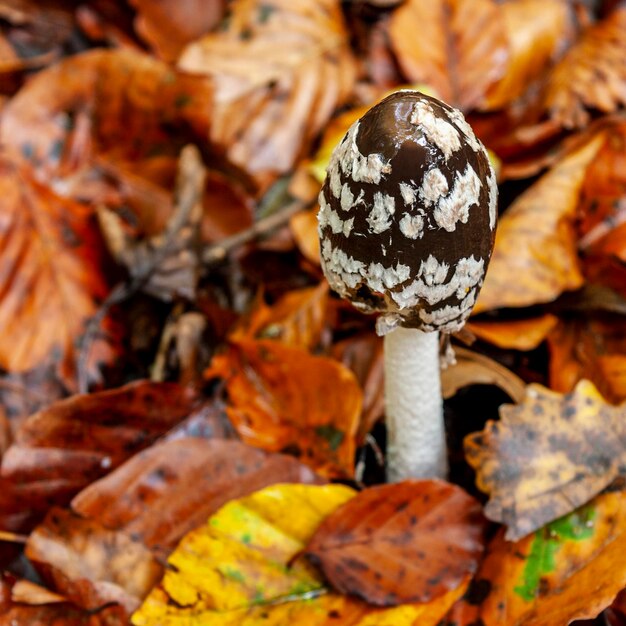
[239, 570]
[169, 489]
[405, 542]
[461, 49]
[570, 569]
[535, 256]
[547, 456]
[472, 368]
[520, 334]
[592, 75]
[59, 450]
[279, 71]
[303, 226]
[51, 279]
[283, 399]
[90, 565]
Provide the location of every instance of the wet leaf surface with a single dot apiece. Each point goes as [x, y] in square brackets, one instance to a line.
[407, 542]
[547, 456]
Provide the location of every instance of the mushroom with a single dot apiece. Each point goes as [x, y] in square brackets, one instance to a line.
[407, 224]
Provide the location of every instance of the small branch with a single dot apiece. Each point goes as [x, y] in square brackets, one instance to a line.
[12, 537]
[218, 252]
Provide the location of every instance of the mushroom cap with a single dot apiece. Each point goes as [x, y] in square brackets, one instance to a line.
[408, 214]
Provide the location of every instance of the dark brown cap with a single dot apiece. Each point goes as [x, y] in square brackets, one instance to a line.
[408, 214]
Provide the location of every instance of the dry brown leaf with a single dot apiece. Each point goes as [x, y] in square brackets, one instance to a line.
[169, 25]
[592, 75]
[523, 334]
[537, 32]
[281, 398]
[547, 456]
[535, 256]
[472, 368]
[458, 48]
[51, 280]
[279, 70]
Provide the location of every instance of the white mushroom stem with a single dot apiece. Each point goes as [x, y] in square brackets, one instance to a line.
[416, 440]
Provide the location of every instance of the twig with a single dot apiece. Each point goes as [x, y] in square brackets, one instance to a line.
[190, 188]
[12, 537]
[218, 252]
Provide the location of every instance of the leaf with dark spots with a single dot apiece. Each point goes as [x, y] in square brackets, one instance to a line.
[164, 492]
[538, 465]
[59, 450]
[371, 548]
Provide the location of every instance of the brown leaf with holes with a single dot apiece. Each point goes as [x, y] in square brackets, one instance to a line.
[461, 49]
[90, 565]
[169, 25]
[591, 77]
[593, 348]
[164, 492]
[535, 257]
[280, 70]
[51, 280]
[59, 450]
[411, 541]
[537, 32]
[547, 456]
[282, 399]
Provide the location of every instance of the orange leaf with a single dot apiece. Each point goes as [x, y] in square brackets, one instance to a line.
[524, 334]
[405, 542]
[51, 279]
[283, 399]
[592, 75]
[456, 47]
[535, 255]
[279, 71]
[303, 226]
[547, 456]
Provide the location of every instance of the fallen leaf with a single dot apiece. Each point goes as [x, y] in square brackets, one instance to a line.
[297, 319]
[303, 227]
[239, 570]
[547, 456]
[461, 49]
[59, 450]
[535, 256]
[472, 368]
[31, 593]
[589, 347]
[592, 75]
[169, 489]
[283, 399]
[169, 25]
[520, 334]
[537, 32]
[401, 543]
[91, 565]
[52, 278]
[279, 71]
[570, 569]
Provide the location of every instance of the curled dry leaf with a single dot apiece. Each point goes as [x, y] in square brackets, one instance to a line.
[90, 565]
[51, 280]
[472, 368]
[282, 399]
[571, 569]
[547, 456]
[279, 71]
[537, 32]
[535, 256]
[241, 569]
[411, 541]
[169, 25]
[169, 489]
[61, 449]
[461, 49]
[297, 319]
[592, 75]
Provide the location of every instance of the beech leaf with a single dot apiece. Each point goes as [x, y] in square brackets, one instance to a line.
[405, 542]
[547, 456]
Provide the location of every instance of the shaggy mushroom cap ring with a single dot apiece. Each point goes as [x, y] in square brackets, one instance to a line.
[408, 214]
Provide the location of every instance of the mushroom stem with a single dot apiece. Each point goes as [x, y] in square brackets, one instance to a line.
[416, 440]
